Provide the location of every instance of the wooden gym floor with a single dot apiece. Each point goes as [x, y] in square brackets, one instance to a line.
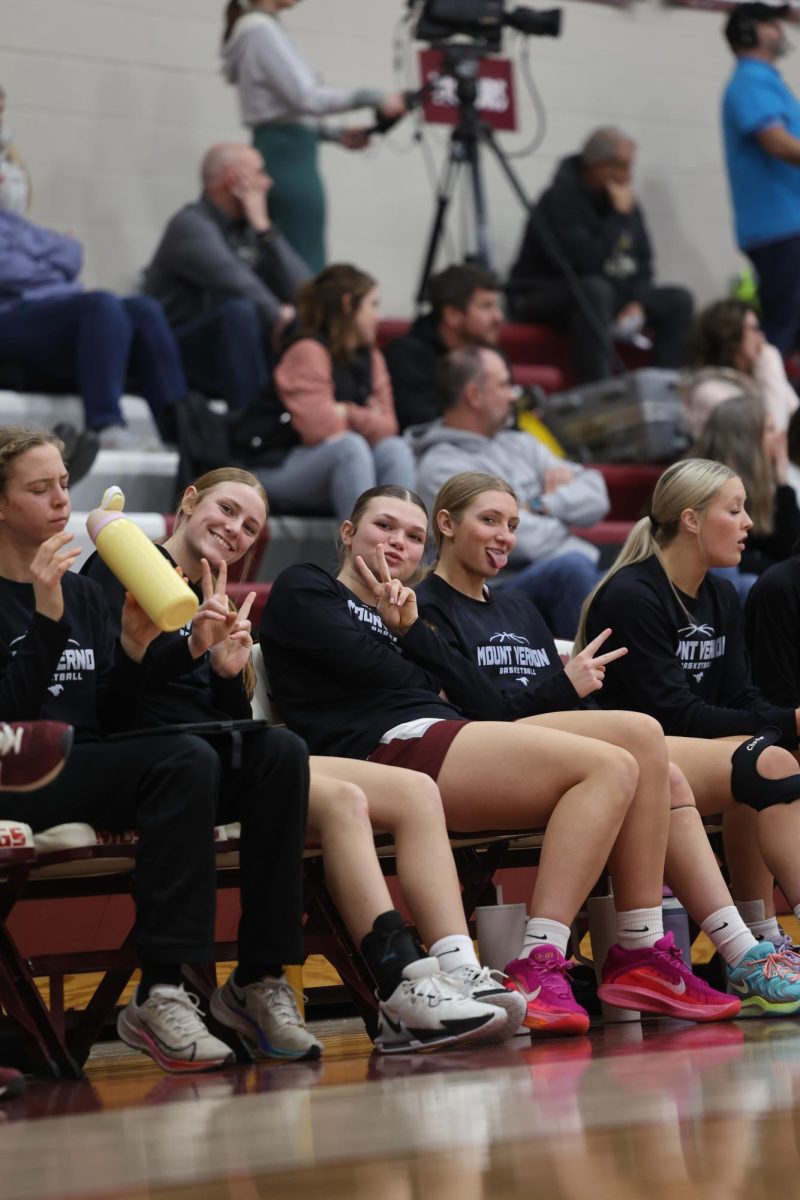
[663, 1109]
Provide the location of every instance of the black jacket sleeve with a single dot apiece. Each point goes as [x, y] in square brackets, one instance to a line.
[312, 618]
[772, 631]
[412, 366]
[25, 676]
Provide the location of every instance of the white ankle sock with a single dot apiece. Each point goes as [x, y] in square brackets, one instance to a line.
[767, 930]
[640, 927]
[729, 934]
[541, 931]
[454, 951]
[751, 910]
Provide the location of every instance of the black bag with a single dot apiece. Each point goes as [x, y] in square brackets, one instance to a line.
[203, 439]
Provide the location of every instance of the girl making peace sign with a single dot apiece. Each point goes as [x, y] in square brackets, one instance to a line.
[356, 673]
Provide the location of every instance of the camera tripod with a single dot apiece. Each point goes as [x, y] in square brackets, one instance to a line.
[468, 136]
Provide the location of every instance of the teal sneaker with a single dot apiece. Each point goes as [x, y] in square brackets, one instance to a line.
[766, 981]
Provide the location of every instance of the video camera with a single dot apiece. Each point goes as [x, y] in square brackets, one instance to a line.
[483, 20]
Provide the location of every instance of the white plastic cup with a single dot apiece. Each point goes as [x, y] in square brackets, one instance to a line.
[603, 932]
[501, 932]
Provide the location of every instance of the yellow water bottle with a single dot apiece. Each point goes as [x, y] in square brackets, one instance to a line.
[138, 565]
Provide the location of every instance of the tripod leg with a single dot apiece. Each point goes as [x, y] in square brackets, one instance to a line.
[443, 199]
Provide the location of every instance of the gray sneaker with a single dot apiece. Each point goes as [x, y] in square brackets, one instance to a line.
[266, 1015]
[487, 987]
[169, 1028]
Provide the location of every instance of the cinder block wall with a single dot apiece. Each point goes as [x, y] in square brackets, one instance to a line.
[114, 101]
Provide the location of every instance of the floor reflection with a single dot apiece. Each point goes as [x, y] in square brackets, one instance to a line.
[627, 1113]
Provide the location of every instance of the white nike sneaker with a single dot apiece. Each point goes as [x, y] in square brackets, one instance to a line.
[168, 1027]
[429, 1009]
[487, 987]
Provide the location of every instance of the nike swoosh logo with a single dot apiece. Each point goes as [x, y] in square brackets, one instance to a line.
[533, 995]
[739, 987]
[539, 937]
[677, 988]
[395, 1027]
[724, 925]
[644, 929]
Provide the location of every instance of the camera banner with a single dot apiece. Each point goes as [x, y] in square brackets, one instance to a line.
[495, 81]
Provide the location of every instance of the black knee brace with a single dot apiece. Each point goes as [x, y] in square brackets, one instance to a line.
[752, 789]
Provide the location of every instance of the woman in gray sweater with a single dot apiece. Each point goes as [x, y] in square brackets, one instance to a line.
[282, 100]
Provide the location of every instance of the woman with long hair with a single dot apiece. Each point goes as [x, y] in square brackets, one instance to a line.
[203, 673]
[58, 661]
[333, 383]
[687, 666]
[741, 434]
[283, 101]
[729, 356]
[357, 673]
[519, 675]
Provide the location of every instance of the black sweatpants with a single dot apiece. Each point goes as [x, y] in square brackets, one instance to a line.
[167, 789]
[268, 793]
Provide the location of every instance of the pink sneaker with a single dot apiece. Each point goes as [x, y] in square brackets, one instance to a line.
[657, 980]
[543, 979]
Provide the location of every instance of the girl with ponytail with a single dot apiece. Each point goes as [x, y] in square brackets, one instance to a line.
[687, 666]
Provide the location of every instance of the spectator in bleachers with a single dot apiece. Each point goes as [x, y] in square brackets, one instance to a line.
[58, 662]
[464, 311]
[227, 278]
[354, 670]
[729, 356]
[590, 216]
[282, 100]
[521, 678]
[218, 520]
[552, 566]
[333, 383]
[15, 181]
[761, 131]
[88, 340]
[740, 433]
[687, 666]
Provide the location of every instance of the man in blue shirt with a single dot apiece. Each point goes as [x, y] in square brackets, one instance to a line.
[761, 126]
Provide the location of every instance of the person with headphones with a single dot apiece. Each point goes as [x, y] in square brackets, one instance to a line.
[761, 128]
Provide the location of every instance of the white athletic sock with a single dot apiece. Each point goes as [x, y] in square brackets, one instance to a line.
[751, 910]
[540, 931]
[640, 927]
[454, 951]
[767, 930]
[729, 934]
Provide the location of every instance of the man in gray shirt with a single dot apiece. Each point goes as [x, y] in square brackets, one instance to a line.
[556, 569]
[227, 279]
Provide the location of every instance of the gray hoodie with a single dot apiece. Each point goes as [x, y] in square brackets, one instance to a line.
[522, 461]
[276, 84]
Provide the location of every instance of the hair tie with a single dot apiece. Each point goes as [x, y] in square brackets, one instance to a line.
[653, 522]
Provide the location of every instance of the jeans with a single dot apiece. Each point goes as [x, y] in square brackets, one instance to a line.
[778, 268]
[741, 580]
[224, 353]
[668, 311]
[95, 339]
[332, 475]
[558, 587]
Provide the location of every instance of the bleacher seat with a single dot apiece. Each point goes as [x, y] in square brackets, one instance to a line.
[47, 410]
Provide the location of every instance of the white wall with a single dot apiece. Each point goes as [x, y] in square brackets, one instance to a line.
[113, 101]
